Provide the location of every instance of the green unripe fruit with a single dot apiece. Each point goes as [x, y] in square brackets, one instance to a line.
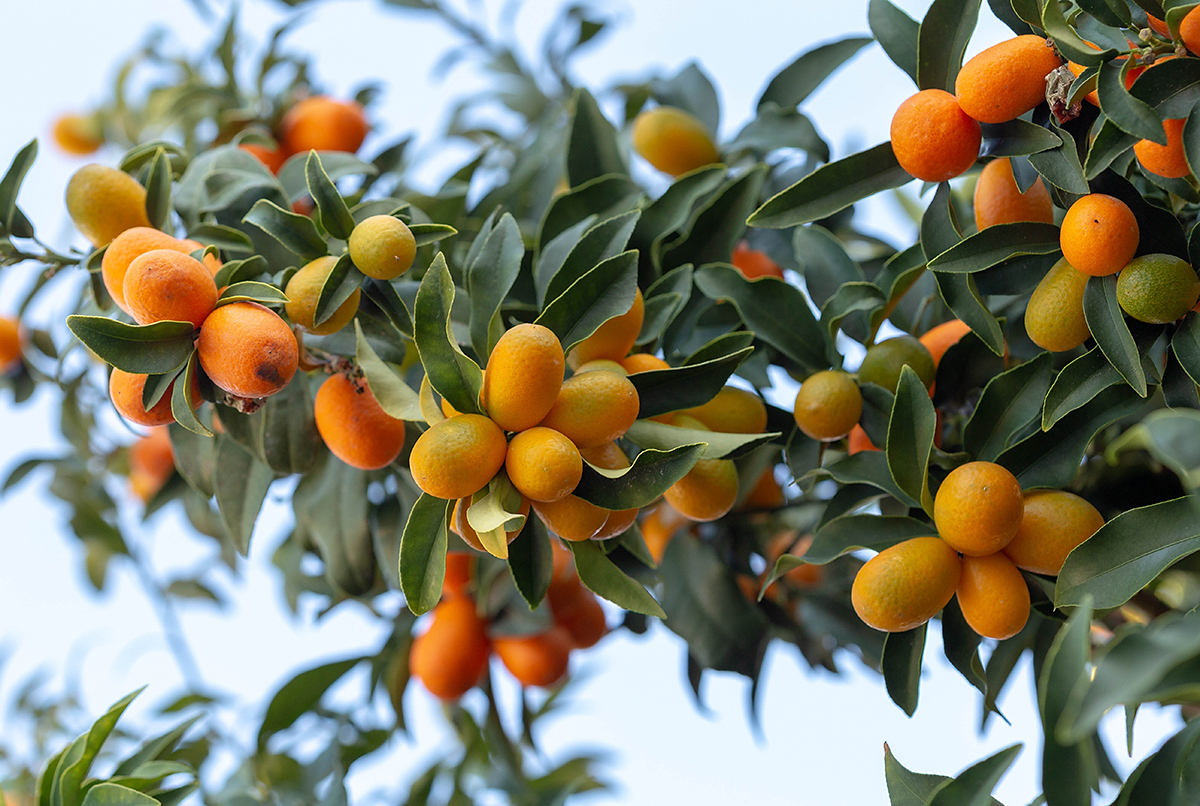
[1157, 288]
[884, 361]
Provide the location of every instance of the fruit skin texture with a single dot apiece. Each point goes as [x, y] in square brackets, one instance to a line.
[673, 141]
[536, 660]
[382, 247]
[524, 377]
[125, 390]
[1006, 80]
[940, 338]
[543, 464]
[707, 492]
[132, 244]
[247, 350]
[324, 124]
[303, 291]
[828, 405]
[732, 411]
[452, 654]
[998, 200]
[572, 518]
[1054, 316]
[643, 362]
[104, 202]
[164, 284]
[884, 361]
[77, 135]
[933, 138]
[904, 586]
[10, 344]
[610, 457]
[753, 263]
[593, 408]
[353, 425]
[993, 596]
[1189, 31]
[1099, 235]
[1168, 160]
[458, 457]
[1054, 523]
[1157, 288]
[613, 339]
[978, 508]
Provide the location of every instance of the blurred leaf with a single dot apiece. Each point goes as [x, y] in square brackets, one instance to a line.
[332, 512]
[1069, 771]
[227, 239]
[692, 91]
[1009, 403]
[602, 577]
[456, 377]
[423, 553]
[300, 695]
[336, 164]
[942, 40]
[897, 34]
[640, 484]
[1168, 776]
[1171, 437]
[793, 84]
[774, 128]
[332, 209]
[284, 432]
[154, 349]
[902, 654]
[110, 794]
[10, 185]
[592, 150]
[241, 487]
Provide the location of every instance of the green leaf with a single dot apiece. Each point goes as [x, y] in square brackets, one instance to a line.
[1169, 775]
[847, 533]
[1069, 43]
[300, 695]
[670, 211]
[155, 387]
[158, 191]
[960, 643]
[832, 188]
[865, 467]
[718, 223]
[332, 209]
[1009, 403]
[640, 484]
[10, 185]
[1060, 166]
[154, 349]
[1171, 437]
[602, 577]
[283, 434]
[942, 40]
[592, 147]
[227, 239]
[774, 128]
[456, 377]
[897, 33]
[603, 197]
[395, 396]
[336, 164]
[489, 277]
[1068, 771]
[238, 271]
[962, 297]
[683, 387]
[662, 437]
[692, 91]
[850, 297]
[296, 233]
[793, 84]
[423, 553]
[910, 438]
[902, 654]
[425, 234]
[241, 485]
[776, 311]
[182, 405]
[974, 785]
[343, 280]
[1017, 138]
[599, 243]
[1128, 553]
[250, 291]
[1079, 381]
[1131, 115]
[77, 760]
[331, 509]
[907, 788]
[606, 291]
[1110, 143]
[1106, 321]
[531, 562]
[107, 793]
[996, 244]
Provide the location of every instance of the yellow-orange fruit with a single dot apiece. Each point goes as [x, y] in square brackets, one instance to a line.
[732, 411]
[132, 244]
[382, 247]
[460, 571]
[151, 463]
[593, 408]
[904, 586]
[164, 284]
[104, 202]
[1099, 235]
[659, 526]
[524, 377]
[577, 610]
[1189, 31]
[272, 158]
[323, 124]
[1053, 523]
[353, 425]
[610, 457]
[932, 138]
[859, 441]
[978, 508]
[940, 338]
[1159, 27]
[766, 493]
[451, 655]
[998, 200]
[1054, 316]
[543, 464]
[10, 343]
[125, 390]
[643, 362]
[536, 660]
[572, 518]
[754, 263]
[828, 405]
[613, 339]
[993, 596]
[304, 291]
[462, 527]
[1164, 160]
[78, 135]
[673, 141]
[458, 457]
[707, 492]
[1006, 80]
[247, 350]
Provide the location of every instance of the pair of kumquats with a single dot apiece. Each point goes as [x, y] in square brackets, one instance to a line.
[451, 656]
[317, 123]
[980, 513]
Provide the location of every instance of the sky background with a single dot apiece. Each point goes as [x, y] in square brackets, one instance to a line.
[822, 735]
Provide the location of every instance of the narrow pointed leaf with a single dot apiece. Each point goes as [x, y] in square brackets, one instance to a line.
[150, 349]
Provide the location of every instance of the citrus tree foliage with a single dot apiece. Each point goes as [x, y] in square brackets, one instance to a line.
[547, 224]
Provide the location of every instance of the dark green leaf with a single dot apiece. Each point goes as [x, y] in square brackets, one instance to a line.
[241, 486]
[10, 185]
[489, 277]
[640, 484]
[456, 377]
[902, 654]
[1079, 382]
[332, 209]
[296, 233]
[793, 84]
[227, 239]
[896, 33]
[974, 785]
[1185, 344]
[1131, 115]
[606, 291]
[1010, 402]
[599, 243]
[942, 40]
[1106, 321]
[670, 211]
[660, 436]
[995, 245]
[531, 561]
[183, 406]
[158, 191]
[602, 577]
[146, 349]
[664, 390]
[1016, 138]
[1068, 771]
[866, 467]
[774, 128]
[1109, 144]
[425, 234]
[962, 297]
[332, 513]
[603, 197]
[423, 553]
[343, 280]
[848, 533]
[718, 223]
[907, 788]
[1069, 43]
[250, 291]
[960, 643]
[910, 438]
[1060, 166]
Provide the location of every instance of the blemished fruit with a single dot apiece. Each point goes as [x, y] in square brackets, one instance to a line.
[536, 660]
[462, 527]
[932, 138]
[166, 285]
[610, 457]
[993, 596]
[1099, 235]
[10, 344]
[1164, 160]
[353, 425]
[78, 135]
[1053, 523]
[543, 464]
[613, 339]
[593, 408]
[382, 247]
[978, 508]
[708, 491]
[125, 391]
[754, 263]
[572, 518]
[643, 362]
[998, 200]
[1006, 80]
[524, 377]
[673, 141]
[272, 158]
[904, 586]
[104, 202]
[323, 124]
[884, 361]
[458, 457]
[1157, 288]
[132, 244]
[828, 405]
[247, 350]
[304, 290]
[450, 656]
[940, 338]
[732, 411]
[1054, 316]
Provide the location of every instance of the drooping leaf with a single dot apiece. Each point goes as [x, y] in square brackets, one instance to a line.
[897, 33]
[241, 487]
[394, 395]
[1106, 321]
[1069, 771]
[640, 484]
[300, 695]
[456, 377]
[158, 191]
[910, 438]
[154, 349]
[332, 209]
[602, 577]
[1010, 402]
[718, 223]
[592, 149]
[902, 654]
[423, 553]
